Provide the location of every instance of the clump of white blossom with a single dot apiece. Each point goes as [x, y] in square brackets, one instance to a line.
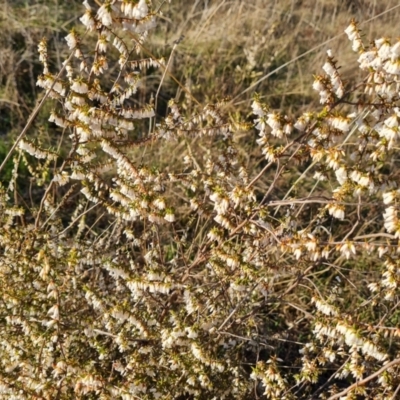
[130, 280]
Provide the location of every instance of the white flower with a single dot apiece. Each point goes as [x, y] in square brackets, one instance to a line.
[191, 380]
[102, 44]
[347, 249]
[214, 234]
[320, 176]
[336, 211]
[392, 67]
[383, 46]
[194, 205]
[269, 153]
[104, 15]
[324, 307]
[386, 132]
[79, 87]
[159, 203]
[390, 219]
[257, 109]
[214, 196]
[191, 334]
[365, 181]
[302, 122]
[369, 59]
[329, 69]
[141, 10]
[341, 175]
[389, 277]
[31, 149]
[340, 123]
[54, 312]
[351, 31]
[357, 44]
[62, 178]
[221, 205]
[59, 368]
[87, 6]
[169, 216]
[311, 244]
[382, 250]
[57, 120]
[297, 253]
[373, 287]
[319, 84]
[370, 349]
[362, 180]
[287, 129]
[324, 96]
[325, 253]
[88, 20]
[388, 197]
[71, 40]
[59, 88]
[223, 221]
[232, 261]
[273, 121]
[392, 121]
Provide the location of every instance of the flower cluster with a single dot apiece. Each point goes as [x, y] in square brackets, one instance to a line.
[124, 276]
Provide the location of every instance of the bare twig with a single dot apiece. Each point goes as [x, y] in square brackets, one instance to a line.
[33, 115]
[365, 380]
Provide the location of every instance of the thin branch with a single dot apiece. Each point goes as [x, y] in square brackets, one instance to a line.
[365, 380]
[34, 114]
[166, 70]
[321, 45]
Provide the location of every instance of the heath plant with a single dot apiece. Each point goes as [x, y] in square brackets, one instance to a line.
[123, 277]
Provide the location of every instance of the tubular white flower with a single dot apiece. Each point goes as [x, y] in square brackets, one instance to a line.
[273, 121]
[159, 203]
[257, 108]
[71, 40]
[340, 123]
[383, 46]
[88, 20]
[62, 178]
[390, 218]
[319, 84]
[329, 68]
[336, 211]
[392, 121]
[141, 10]
[79, 87]
[351, 31]
[392, 67]
[53, 312]
[324, 307]
[86, 5]
[104, 15]
[369, 59]
[388, 197]
[341, 175]
[102, 44]
[169, 216]
[348, 249]
[297, 253]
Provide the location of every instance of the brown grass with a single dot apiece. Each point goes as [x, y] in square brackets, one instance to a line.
[228, 46]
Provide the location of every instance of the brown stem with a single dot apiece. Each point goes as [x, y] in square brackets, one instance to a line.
[365, 380]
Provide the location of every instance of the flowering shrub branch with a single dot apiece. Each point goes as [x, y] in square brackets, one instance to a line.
[129, 279]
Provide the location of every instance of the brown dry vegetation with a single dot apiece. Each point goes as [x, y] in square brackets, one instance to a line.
[229, 49]
[228, 46]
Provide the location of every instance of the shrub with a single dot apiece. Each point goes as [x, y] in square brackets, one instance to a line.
[126, 276]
